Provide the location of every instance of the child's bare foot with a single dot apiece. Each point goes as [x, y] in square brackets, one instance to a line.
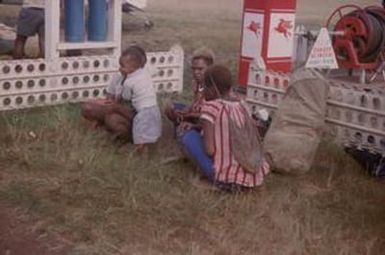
[94, 125]
[202, 184]
[140, 150]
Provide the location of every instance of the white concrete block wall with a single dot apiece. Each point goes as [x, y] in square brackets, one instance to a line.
[31, 83]
[355, 113]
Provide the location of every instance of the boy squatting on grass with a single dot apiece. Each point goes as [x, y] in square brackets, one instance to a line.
[133, 84]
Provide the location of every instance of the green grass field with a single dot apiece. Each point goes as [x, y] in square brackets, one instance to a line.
[81, 187]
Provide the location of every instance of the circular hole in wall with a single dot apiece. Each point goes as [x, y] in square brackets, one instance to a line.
[30, 83]
[18, 68]
[42, 83]
[6, 101]
[6, 85]
[19, 100]
[96, 63]
[42, 98]
[31, 99]
[75, 80]
[75, 65]
[64, 66]
[86, 64]
[64, 95]
[96, 92]
[371, 139]
[19, 84]
[42, 67]
[64, 81]
[75, 94]
[6, 69]
[86, 79]
[96, 78]
[30, 68]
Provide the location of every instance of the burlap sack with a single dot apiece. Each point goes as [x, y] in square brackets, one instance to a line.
[245, 142]
[294, 135]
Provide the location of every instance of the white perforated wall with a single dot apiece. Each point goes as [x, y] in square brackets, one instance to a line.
[265, 90]
[31, 83]
[355, 113]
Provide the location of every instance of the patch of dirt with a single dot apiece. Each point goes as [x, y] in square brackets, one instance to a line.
[21, 235]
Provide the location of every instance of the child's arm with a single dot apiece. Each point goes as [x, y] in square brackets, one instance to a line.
[183, 126]
[189, 116]
[114, 89]
[122, 110]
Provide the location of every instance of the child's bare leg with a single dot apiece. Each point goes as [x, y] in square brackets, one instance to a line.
[118, 125]
[170, 113]
[141, 149]
[122, 110]
[93, 112]
[18, 52]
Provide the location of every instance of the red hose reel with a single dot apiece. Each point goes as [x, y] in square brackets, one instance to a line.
[359, 38]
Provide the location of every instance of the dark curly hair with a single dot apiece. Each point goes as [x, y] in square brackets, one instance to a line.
[220, 77]
[136, 54]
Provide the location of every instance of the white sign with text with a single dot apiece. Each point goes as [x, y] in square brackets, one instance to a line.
[322, 55]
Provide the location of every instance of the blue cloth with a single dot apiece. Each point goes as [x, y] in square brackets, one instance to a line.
[192, 143]
[74, 28]
[97, 20]
[179, 106]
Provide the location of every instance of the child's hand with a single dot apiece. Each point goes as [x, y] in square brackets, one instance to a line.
[179, 115]
[186, 126]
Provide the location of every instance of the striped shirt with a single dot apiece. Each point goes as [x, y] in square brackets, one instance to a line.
[227, 168]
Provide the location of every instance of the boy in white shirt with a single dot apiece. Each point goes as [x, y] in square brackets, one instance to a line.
[29, 23]
[134, 84]
[139, 89]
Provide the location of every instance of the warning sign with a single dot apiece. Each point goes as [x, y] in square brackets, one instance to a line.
[322, 55]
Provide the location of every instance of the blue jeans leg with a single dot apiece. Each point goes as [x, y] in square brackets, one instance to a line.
[179, 106]
[192, 143]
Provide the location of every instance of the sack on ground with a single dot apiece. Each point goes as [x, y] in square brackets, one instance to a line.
[295, 132]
